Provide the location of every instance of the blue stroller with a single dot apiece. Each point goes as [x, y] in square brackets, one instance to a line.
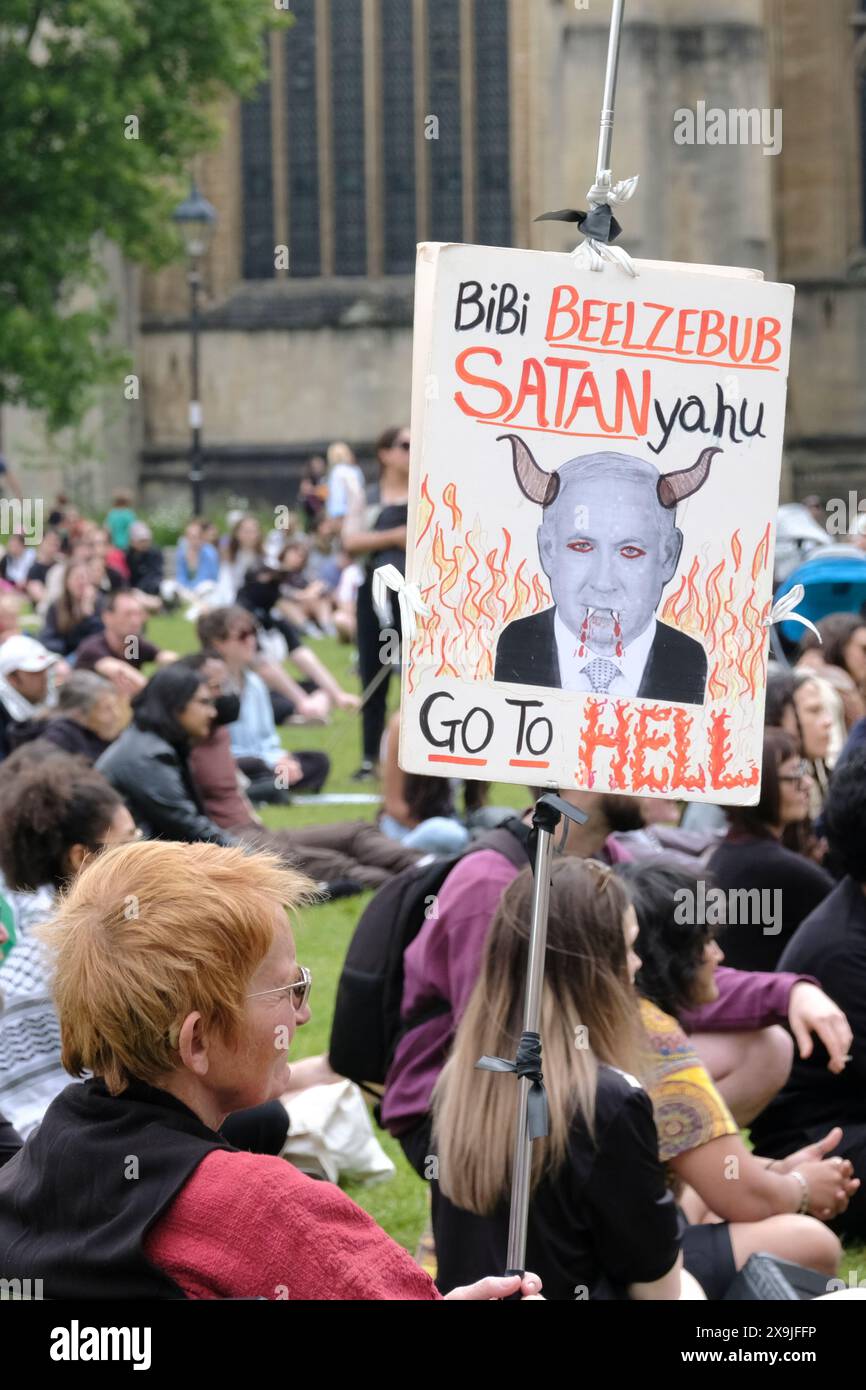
[834, 580]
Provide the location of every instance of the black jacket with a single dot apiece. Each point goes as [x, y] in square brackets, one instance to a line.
[154, 780]
[64, 643]
[70, 1215]
[145, 569]
[66, 734]
[830, 945]
[676, 668]
[10, 1141]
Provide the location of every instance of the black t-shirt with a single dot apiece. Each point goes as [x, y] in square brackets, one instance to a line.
[145, 569]
[831, 945]
[259, 593]
[391, 515]
[607, 1220]
[763, 864]
[38, 570]
[261, 588]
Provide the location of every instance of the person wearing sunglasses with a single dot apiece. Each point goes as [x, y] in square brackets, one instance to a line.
[377, 536]
[752, 857]
[255, 741]
[180, 1025]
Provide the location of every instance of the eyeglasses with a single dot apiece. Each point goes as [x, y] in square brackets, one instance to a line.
[798, 778]
[102, 845]
[298, 992]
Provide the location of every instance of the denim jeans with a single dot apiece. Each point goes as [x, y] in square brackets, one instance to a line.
[438, 835]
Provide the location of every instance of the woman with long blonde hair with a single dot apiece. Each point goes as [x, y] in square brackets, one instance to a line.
[602, 1223]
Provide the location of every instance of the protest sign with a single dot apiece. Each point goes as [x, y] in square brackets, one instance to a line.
[595, 477]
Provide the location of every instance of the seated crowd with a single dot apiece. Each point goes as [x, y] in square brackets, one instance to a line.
[704, 993]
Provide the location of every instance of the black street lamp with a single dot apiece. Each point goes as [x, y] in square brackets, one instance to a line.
[196, 218]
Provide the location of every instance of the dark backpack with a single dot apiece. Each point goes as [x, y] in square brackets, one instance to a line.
[366, 1025]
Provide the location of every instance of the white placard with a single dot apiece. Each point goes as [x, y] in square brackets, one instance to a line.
[595, 477]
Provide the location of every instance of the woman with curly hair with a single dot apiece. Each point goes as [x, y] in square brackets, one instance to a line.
[55, 814]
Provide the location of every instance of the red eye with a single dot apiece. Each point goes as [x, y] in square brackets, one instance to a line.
[581, 547]
[631, 552]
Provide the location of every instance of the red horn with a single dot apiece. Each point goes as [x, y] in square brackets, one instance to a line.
[540, 487]
[676, 487]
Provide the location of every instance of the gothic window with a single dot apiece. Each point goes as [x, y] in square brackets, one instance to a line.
[492, 113]
[862, 115]
[333, 163]
[257, 186]
[445, 163]
[347, 106]
[302, 140]
[397, 85]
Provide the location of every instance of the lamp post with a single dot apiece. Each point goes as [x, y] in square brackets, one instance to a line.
[196, 218]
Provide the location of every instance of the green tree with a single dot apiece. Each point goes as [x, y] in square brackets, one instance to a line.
[72, 75]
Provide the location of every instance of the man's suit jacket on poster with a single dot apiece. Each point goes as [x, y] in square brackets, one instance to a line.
[676, 669]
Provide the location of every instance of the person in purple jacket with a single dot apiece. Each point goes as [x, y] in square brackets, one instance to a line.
[750, 1059]
[443, 962]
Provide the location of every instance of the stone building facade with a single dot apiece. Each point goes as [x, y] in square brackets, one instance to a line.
[386, 122]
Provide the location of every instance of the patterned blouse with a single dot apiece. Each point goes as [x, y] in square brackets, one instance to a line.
[689, 1111]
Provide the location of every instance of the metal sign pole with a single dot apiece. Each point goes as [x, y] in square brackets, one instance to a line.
[605, 134]
[519, 1215]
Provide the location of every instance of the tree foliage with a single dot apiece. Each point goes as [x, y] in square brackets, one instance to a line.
[71, 74]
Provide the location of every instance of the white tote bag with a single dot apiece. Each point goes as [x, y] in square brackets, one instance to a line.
[330, 1135]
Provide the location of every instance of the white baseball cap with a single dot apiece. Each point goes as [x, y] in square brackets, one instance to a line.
[20, 653]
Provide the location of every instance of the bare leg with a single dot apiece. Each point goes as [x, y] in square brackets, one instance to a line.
[748, 1068]
[314, 706]
[344, 622]
[800, 1239]
[293, 612]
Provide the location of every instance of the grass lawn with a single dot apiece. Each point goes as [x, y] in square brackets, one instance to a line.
[323, 936]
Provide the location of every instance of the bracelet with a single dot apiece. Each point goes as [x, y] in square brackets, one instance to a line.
[803, 1208]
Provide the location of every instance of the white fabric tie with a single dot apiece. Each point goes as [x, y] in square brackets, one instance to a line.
[783, 611]
[592, 254]
[408, 596]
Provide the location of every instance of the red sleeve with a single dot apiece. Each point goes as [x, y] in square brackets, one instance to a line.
[251, 1226]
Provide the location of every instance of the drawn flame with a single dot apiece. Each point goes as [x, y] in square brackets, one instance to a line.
[460, 571]
[731, 630]
[473, 589]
